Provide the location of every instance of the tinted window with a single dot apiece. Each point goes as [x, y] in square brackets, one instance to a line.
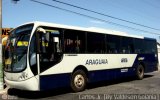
[95, 43]
[150, 46]
[138, 45]
[113, 44]
[74, 41]
[127, 45]
[145, 46]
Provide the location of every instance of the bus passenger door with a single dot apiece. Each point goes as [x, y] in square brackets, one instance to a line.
[49, 51]
[34, 52]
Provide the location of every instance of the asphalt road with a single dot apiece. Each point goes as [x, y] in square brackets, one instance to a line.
[130, 88]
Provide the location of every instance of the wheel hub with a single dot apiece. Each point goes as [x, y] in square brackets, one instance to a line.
[79, 81]
[140, 71]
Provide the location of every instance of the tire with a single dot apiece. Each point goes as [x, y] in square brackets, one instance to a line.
[78, 81]
[140, 72]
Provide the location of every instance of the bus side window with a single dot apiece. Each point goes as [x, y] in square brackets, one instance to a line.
[127, 45]
[95, 43]
[138, 46]
[74, 41]
[113, 44]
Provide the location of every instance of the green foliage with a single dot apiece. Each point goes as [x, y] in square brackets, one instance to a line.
[1, 72]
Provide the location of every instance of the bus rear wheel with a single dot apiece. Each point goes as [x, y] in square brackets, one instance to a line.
[140, 72]
[78, 81]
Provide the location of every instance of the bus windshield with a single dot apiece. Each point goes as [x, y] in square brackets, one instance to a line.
[16, 49]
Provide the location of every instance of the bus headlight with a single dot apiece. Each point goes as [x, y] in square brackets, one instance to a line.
[23, 76]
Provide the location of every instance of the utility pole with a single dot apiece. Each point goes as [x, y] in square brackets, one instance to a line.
[1, 52]
[1, 65]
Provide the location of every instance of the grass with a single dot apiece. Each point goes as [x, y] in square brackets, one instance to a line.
[1, 73]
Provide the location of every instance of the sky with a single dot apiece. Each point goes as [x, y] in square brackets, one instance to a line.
[145, 12]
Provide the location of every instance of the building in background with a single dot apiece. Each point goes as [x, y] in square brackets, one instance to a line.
[3, 38]
[5, 33]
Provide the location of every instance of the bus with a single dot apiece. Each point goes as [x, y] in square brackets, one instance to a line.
[41, 56]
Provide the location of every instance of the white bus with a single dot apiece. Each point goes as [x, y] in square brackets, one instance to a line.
[41, 56]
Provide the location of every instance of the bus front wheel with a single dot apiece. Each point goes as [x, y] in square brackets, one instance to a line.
[78, 81]
[140, 72]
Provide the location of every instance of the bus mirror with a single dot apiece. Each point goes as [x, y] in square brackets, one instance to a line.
[39, 33]
[41, 30]
[38, 42]
[42, 37]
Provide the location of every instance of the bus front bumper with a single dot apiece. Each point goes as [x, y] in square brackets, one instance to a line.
[29, 84]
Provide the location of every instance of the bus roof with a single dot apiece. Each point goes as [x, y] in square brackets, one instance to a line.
[90, 29]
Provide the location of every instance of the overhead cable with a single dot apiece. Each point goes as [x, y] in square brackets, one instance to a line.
[105, 15]
[109, 22]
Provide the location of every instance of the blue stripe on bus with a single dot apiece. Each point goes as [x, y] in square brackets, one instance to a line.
[95, 76]
[54, 81]
[63, 80]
